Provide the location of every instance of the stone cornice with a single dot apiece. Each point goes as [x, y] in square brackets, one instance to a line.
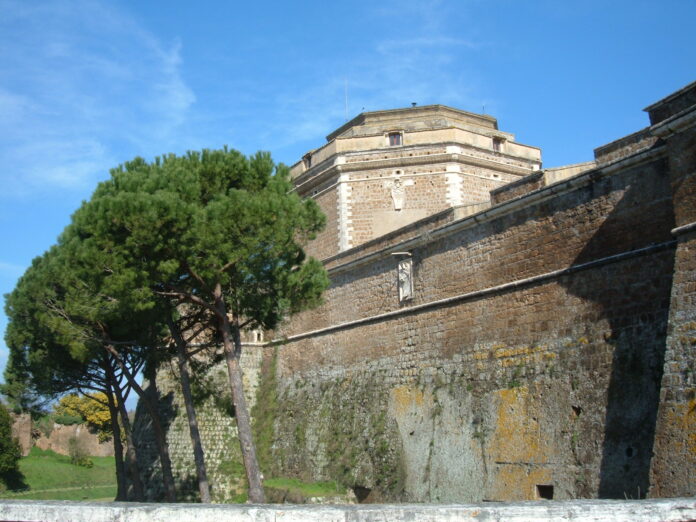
[459, 157]
[675, 124]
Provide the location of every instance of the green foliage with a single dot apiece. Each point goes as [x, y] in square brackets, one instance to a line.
[78, 455]
[264, 412]
[45, 425]
[515, 381]
[187, 224]
[231, 468]
[307, 489]
[91, 408]
[240, 498]
[67, 420]
[10, 453]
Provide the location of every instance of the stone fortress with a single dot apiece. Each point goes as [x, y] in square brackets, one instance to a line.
[493, 330]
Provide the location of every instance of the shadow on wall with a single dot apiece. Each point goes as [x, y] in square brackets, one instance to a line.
[146, 446]
[633, 296]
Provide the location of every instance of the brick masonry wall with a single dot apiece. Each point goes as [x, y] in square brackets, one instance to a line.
[372, 203]
[518, 188]
[625, 146]
[674, 465]
[59, 441]
[555, 383]
[326, 243]
[21, 430]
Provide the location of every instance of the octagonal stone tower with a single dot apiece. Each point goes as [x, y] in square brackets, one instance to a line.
[383, 170]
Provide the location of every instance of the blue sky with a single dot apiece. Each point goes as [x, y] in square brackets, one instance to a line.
[86, 85]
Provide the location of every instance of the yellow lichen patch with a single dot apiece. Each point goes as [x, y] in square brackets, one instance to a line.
[514, 482]
[518, 436]
[405, 398]
[512, 351]
[688, 425]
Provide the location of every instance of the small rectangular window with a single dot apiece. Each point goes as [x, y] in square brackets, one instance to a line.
[544, 491]
[497, 144]
[394, 138]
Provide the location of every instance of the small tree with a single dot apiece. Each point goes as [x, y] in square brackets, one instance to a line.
[219, 232]
[56, 332]
[10, 453]
[93, 408]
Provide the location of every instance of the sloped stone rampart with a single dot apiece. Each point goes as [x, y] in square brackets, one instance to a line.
[217, 426]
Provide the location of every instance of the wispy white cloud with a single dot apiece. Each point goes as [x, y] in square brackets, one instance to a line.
[80, 82]
[429, 66]
[11, 269]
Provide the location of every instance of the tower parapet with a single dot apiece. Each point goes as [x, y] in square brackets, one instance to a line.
[385, 169]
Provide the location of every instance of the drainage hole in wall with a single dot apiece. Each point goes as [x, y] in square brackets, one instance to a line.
[361, 493]
[545, 491]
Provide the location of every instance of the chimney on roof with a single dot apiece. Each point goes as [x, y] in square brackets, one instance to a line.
[413, 104]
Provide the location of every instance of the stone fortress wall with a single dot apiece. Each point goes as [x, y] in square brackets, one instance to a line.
[540, 343]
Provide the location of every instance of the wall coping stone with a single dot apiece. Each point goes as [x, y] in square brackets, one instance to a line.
[674, 509]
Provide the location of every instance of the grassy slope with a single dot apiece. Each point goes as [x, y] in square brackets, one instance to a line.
[52, 477]
[313, 489]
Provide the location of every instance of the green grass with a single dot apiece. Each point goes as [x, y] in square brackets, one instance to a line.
[51, 476]
[313, 489]
[99, 493]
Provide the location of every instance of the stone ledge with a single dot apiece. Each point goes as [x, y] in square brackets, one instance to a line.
[674, 509]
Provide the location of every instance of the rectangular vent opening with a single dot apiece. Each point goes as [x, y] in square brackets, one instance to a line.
[544, 491]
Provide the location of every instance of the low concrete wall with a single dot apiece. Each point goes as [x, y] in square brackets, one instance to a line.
[679, 509]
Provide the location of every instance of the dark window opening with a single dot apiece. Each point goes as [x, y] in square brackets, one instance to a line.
[629, 452]
[394, 138]
[497, 144]
[307, 160]
[545, 491]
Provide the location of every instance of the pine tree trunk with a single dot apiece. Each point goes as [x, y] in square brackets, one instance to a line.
[233, 348]
[160, 439]
[138, 491]
[118, 448]
[198, 456]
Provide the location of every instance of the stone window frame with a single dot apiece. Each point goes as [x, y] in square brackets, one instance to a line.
[394, 138]
[498, 143]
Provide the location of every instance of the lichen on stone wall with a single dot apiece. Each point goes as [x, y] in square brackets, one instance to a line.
[338, 430]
